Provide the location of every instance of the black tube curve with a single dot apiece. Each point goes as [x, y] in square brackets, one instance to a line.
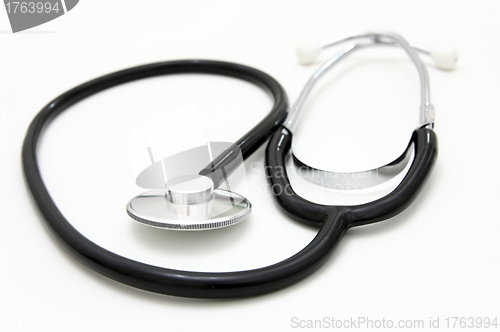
[333, 221]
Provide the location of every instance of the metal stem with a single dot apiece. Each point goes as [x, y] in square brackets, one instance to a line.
[372, 37]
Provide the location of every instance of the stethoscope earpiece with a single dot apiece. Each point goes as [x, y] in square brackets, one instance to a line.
[445, 58]
[307, 53]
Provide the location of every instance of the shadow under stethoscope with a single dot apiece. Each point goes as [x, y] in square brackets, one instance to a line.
[188, 243]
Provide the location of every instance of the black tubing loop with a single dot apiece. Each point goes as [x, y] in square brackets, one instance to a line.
[334, 221]
[148, 277]
[425, 142]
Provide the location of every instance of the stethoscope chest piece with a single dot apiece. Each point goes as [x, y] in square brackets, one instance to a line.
[189, 203]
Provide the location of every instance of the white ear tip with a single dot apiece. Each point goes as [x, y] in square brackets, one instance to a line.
[307, 53]
[445, 58]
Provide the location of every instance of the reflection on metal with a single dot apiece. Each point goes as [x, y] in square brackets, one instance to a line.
[185, 198]
[353, 180]
[155, 209]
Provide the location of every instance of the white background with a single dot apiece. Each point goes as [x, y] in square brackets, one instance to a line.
[439, 258]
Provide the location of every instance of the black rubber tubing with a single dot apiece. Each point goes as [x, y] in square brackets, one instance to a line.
[425, 147]
[333, 221]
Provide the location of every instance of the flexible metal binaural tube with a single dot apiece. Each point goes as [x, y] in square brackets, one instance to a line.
[371, 38]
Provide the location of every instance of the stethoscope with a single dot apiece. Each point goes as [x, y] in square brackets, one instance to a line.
[192, 201]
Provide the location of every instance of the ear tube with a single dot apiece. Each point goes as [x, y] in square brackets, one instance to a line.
[445, 58]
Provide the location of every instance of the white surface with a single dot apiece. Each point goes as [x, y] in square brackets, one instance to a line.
[438, 258]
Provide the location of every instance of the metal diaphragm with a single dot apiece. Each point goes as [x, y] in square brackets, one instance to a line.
[189, 203]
